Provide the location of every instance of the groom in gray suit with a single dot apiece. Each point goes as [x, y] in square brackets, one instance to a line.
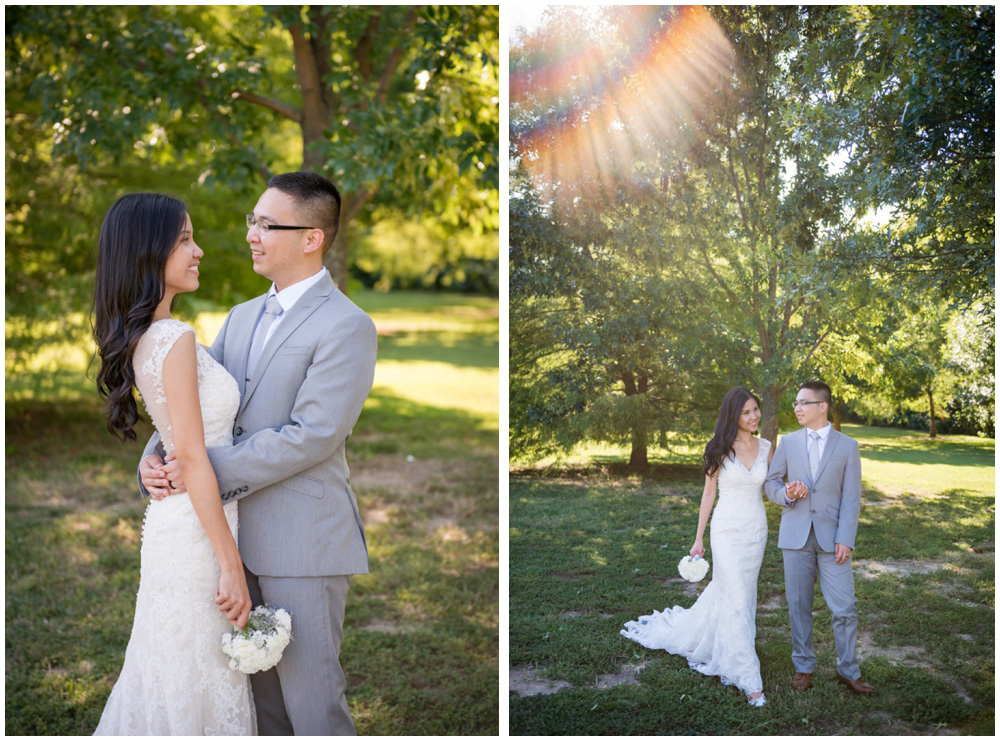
[304, 358]
[821, 500]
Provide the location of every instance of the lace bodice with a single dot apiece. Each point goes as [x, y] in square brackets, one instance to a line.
[736, 480]
[217, 390]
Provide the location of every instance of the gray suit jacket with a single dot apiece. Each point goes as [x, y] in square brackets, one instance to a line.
[831, 508]
[298, 514]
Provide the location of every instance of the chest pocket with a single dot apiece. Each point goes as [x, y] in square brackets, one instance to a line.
[293, 350]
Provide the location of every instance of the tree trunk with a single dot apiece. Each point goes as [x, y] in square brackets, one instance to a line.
[639, 459]
[335, 258]
[836, 415]
[769, 414]
[930, 398]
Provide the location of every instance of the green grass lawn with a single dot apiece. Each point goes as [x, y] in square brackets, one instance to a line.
[421, 633]
[591, 548]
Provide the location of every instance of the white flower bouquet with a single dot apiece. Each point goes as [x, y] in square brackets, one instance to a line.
[258, 645]
[693, 569]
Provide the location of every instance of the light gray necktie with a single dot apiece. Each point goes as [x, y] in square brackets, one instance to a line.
[271, 312]
[813, 452]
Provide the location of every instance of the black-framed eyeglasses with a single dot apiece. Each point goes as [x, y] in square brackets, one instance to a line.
[796, 404]
[263, 227]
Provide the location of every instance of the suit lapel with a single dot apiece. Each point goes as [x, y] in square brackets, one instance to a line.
[294, 319]
[241, 348]
[831, 442]
[802, 440]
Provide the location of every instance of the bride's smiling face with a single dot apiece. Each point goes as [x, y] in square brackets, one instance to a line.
[749, 417]
[181, 271]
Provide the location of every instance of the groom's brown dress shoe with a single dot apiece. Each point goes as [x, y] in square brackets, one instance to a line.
[802, 681]
[858, 685]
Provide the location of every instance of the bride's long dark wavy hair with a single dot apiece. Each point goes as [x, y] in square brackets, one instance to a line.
[137, 236]
[726, 427]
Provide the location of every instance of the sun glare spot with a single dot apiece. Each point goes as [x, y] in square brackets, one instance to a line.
[603, 107]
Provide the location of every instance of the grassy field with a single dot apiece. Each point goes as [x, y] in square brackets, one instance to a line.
[421, 632]
[591, 548]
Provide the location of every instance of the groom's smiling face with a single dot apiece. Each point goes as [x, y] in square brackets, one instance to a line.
[281, 255]
[807, 411]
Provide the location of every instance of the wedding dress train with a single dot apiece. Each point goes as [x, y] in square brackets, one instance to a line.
[175, 679]
[716, 634]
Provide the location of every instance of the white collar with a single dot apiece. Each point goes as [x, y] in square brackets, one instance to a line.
[823, 432]
[290, 295]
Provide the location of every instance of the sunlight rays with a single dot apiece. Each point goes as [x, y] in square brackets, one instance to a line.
[608, 105]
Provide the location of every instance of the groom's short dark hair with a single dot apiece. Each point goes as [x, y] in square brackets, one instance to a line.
[318, 199]
[819, 387]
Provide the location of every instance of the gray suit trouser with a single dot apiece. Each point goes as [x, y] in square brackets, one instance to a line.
[304, 694]
[837, 583]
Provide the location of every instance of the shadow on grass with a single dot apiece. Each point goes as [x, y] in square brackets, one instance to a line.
[610, 469]
[947, 454]
[460, 349]
[390, 424]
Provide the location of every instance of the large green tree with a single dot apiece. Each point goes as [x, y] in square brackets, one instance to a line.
[737, 129]
[604, 332]
[604, 329]
[911, 93]
[397, 104]
[751, 213]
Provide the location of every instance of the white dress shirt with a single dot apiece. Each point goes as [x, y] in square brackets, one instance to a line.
[288, 297]
[824, 434]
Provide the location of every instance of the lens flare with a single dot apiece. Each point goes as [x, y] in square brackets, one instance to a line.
[599, 112]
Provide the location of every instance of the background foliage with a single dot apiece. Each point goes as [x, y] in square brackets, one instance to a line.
[749, 196]
[206, 102]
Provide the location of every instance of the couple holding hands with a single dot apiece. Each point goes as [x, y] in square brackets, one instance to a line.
[815, 476]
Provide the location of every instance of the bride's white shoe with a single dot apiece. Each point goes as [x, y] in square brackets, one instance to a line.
[757, 702]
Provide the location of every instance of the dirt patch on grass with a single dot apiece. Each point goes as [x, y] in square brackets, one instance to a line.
[871, 569]
[629, 674]
[909, 656]
[574, 614]
[443, 496]
[386, 626]
[912, 656]
[525, 681]
[688, 588]
[775, 603]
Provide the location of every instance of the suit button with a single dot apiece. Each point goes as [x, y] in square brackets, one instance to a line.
[239, 431]
[812, 511]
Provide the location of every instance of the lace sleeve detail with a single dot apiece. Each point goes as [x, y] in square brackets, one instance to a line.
[148, 364]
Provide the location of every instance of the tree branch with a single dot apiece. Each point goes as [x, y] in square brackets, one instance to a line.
[281, 108]
[394, 58]
[363, 49]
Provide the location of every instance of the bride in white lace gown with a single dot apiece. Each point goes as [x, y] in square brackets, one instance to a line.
[716, 634]
[175, 679]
